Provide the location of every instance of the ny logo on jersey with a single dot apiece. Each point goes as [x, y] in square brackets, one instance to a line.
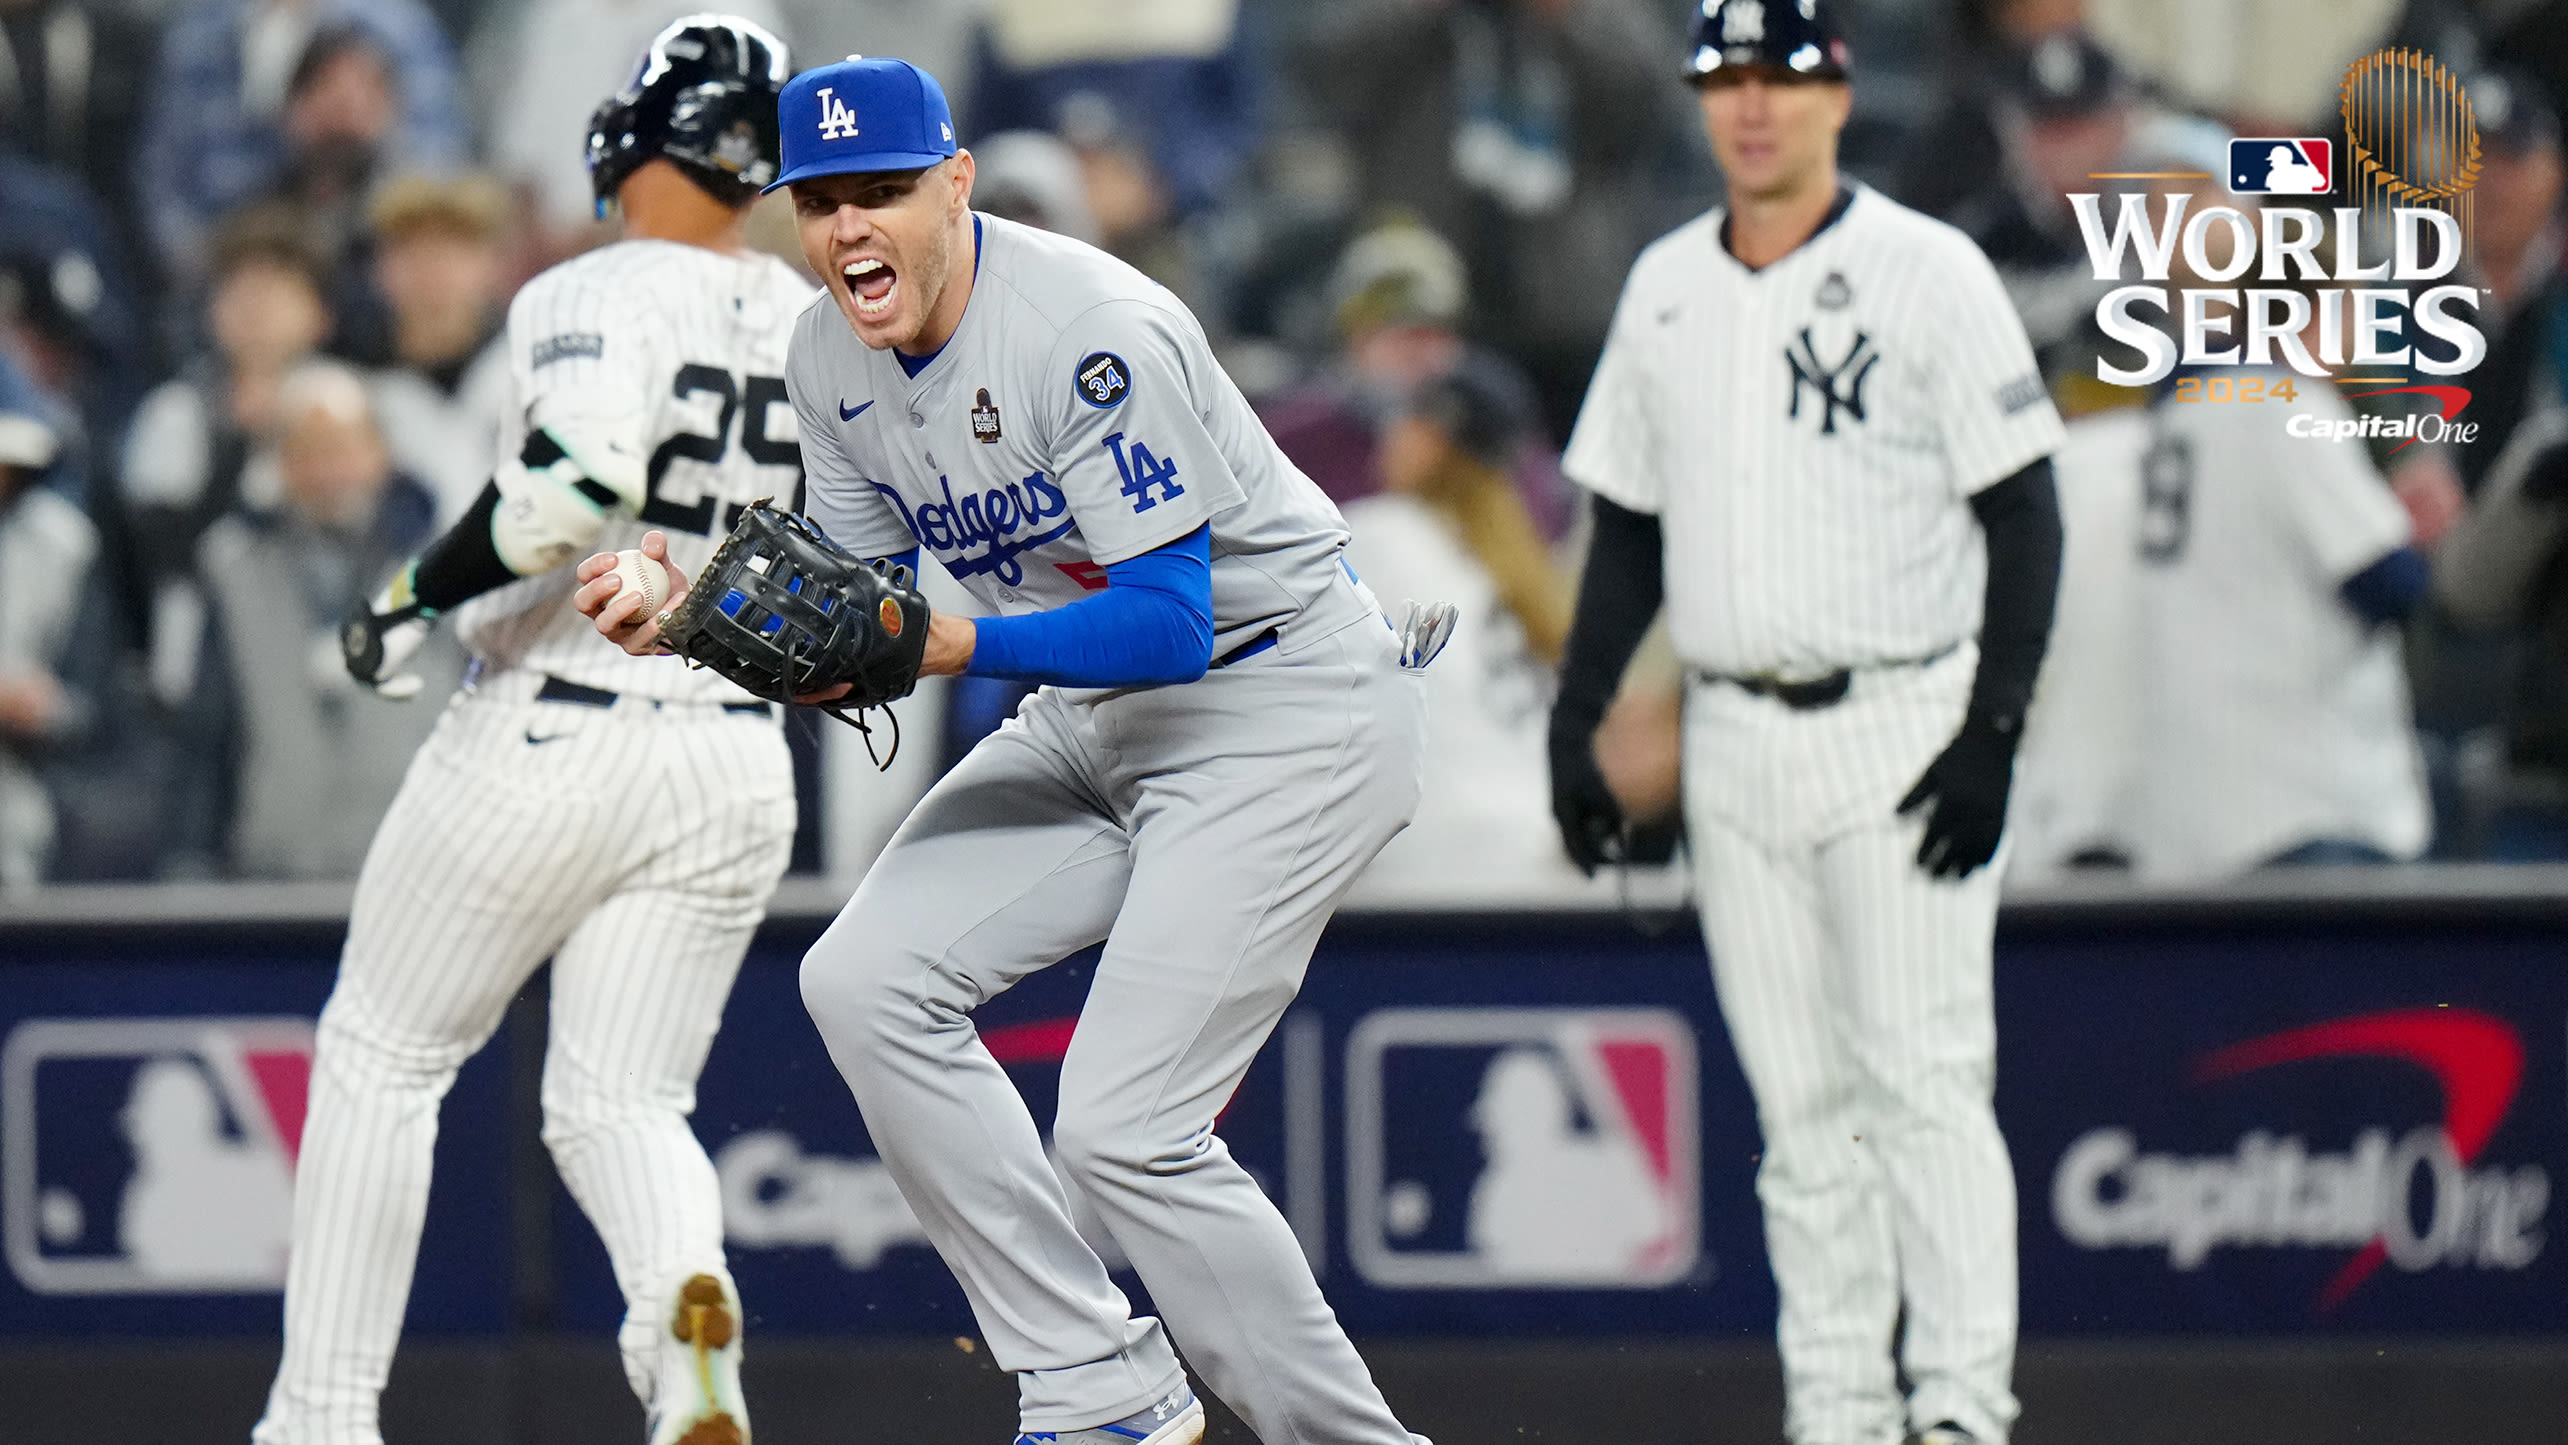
[1141, 472]
[837, 122]
[1743, 23]
[1850, 371]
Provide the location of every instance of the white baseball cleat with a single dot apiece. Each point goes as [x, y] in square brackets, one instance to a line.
[1175, 1419]
[697, 1400]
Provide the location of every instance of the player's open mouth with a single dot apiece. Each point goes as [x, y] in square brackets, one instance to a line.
[871, 283]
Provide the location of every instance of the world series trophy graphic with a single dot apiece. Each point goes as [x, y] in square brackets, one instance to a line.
[2412, 137]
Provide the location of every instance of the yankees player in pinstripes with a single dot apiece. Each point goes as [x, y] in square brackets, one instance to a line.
[1818, 430]
[1228, 734]
[627, 819]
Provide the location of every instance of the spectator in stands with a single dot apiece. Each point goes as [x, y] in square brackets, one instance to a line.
[77, 331]
[539, 74]
[2475, 667]
[1541, 136]
[1176, 82]
[214, 136]
[340, 110]
[314, 759]
[2064, 113]
[49, 608]
[440, 263]
[73, 83]
[1960, 154]
[938, 36]
[1398, 294]
[1034, 177]
[2266, 67]
[199, 446]
[1448, 524]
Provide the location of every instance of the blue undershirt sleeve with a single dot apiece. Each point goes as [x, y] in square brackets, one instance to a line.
[1151, 627]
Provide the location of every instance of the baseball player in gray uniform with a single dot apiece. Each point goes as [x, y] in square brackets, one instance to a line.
[1817, 434]
[1228, 734]
[643, 378]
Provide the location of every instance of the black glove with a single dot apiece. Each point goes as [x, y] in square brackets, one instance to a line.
[1964, 794]
[1591, 821]
[785, 612]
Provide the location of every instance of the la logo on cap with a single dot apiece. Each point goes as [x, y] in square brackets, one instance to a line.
[837, 122]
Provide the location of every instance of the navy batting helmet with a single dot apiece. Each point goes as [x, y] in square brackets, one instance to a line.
[1795, 35]
[704, 97]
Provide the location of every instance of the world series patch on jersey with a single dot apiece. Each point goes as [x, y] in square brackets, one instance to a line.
[673, 356]
[1811, 434]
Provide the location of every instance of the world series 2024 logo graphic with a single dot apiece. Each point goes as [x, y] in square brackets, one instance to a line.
[151, 1155]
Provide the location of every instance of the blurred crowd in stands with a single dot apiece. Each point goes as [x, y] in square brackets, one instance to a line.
[254, 256]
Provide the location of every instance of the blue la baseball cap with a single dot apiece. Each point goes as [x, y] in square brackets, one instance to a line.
[862, 114]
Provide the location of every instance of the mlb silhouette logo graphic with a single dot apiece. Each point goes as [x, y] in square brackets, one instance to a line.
[1523, 1148]
[2281, 166]
[199, 1197]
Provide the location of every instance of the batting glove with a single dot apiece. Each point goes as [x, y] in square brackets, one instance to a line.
[1963, 793]
[1591, 820]
[381, 635]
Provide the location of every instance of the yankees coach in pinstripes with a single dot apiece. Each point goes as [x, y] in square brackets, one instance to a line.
[1818, 433]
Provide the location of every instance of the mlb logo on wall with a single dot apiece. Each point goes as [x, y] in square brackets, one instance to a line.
[151, 1156]
[1516, 1148]
[2282, 166]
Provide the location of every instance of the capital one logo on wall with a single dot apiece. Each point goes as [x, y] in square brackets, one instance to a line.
[2423, 1197]
[1523, 1148]
[151, 1156]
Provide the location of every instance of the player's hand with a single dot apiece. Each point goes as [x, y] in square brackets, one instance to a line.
[378, 637]
[1591, 820]
[618, 615]
[2430, 488]
[1963, 793]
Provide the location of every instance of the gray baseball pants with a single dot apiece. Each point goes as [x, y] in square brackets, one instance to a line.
[1205, 833]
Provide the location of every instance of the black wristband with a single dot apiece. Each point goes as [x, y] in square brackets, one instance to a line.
[2021, 518]
[1618, 597]
[464, 563]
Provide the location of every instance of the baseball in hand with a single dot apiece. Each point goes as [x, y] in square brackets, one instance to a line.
[640, 574]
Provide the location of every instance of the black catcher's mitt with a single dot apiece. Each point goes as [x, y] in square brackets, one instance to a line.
[785, 612]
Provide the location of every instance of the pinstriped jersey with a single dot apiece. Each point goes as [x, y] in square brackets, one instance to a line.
[1811, 433]
[1075, 419]
[678, 354]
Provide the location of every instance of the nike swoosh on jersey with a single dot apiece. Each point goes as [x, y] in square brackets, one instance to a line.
[534, 741]
[845, 415]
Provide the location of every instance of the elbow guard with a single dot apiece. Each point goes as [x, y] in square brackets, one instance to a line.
[553, 501]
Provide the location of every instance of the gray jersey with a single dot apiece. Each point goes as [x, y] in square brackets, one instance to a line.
[1076, 419]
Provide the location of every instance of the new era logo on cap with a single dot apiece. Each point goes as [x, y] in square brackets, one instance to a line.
[2281, 166]
[862, 115]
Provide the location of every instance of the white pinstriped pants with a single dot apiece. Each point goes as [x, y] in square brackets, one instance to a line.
[1857, 992]
[635, 846]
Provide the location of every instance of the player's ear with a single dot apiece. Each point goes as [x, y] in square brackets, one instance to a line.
[964, 170]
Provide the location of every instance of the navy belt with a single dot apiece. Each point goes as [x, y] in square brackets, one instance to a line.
[1255, 645]
[1809, 694]
[558, 690]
